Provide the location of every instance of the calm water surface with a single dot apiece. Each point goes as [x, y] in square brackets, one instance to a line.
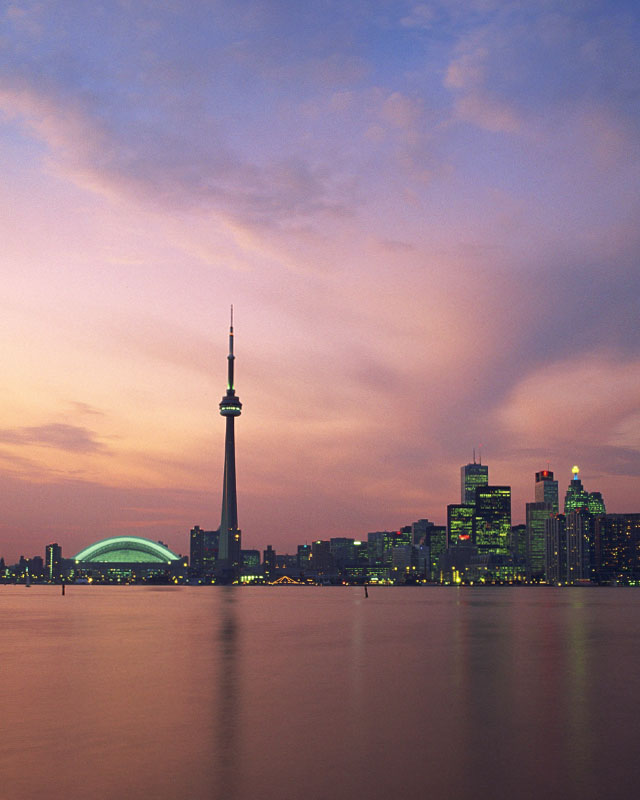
[122, 692]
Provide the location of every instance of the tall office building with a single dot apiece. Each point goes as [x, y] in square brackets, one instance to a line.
[492, 520]
[436, 542]
[576, 496]
[547, 489]
[203, 552]
[555, 562]
[229, 555]
[460, 524]
[536, 515]
[580, 545]
[472, 476]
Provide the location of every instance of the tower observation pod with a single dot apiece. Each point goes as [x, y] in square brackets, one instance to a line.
[230, 535]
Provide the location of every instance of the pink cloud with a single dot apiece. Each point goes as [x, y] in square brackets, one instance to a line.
[593, 399]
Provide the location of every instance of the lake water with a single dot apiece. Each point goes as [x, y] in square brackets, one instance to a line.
[311, 692]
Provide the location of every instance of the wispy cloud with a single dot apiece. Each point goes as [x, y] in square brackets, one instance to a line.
[60, 436]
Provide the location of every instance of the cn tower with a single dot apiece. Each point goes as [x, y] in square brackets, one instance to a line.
[229, 542]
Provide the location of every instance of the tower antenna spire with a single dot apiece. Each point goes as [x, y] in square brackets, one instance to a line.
[474, 455]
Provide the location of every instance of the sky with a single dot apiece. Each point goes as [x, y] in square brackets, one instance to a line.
[424, 214]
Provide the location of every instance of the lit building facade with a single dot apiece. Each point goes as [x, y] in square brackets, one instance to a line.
[460, 518]
[492, 520]
[617, 548]
[576, 497]
[472, 476]
[595, 504]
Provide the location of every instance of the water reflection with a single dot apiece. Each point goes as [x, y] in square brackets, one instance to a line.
[226, 693]
[227, 762]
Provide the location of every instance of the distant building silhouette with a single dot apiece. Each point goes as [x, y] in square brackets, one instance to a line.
[203, 552]
[53, 561]
[269, 563]
[304, 557]
[617, 548]
[555, 562]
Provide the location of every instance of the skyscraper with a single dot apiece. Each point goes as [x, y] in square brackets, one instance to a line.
[555, 562]
[536, 515]
[580, 545]
[576, 496]
[546, 504]
[460, 524]
[472, 476]
[203, 552]
[229, 557]
[492, 521]
[547, 489]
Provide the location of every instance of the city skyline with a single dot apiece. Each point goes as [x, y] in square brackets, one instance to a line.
[425, 216]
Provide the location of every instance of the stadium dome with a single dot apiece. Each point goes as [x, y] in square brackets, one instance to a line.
[126, 550]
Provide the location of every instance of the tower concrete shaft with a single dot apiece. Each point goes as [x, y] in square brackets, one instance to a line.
[230, 534]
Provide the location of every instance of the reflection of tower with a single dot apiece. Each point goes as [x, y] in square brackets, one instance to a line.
[229, 546]
[226, 765]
